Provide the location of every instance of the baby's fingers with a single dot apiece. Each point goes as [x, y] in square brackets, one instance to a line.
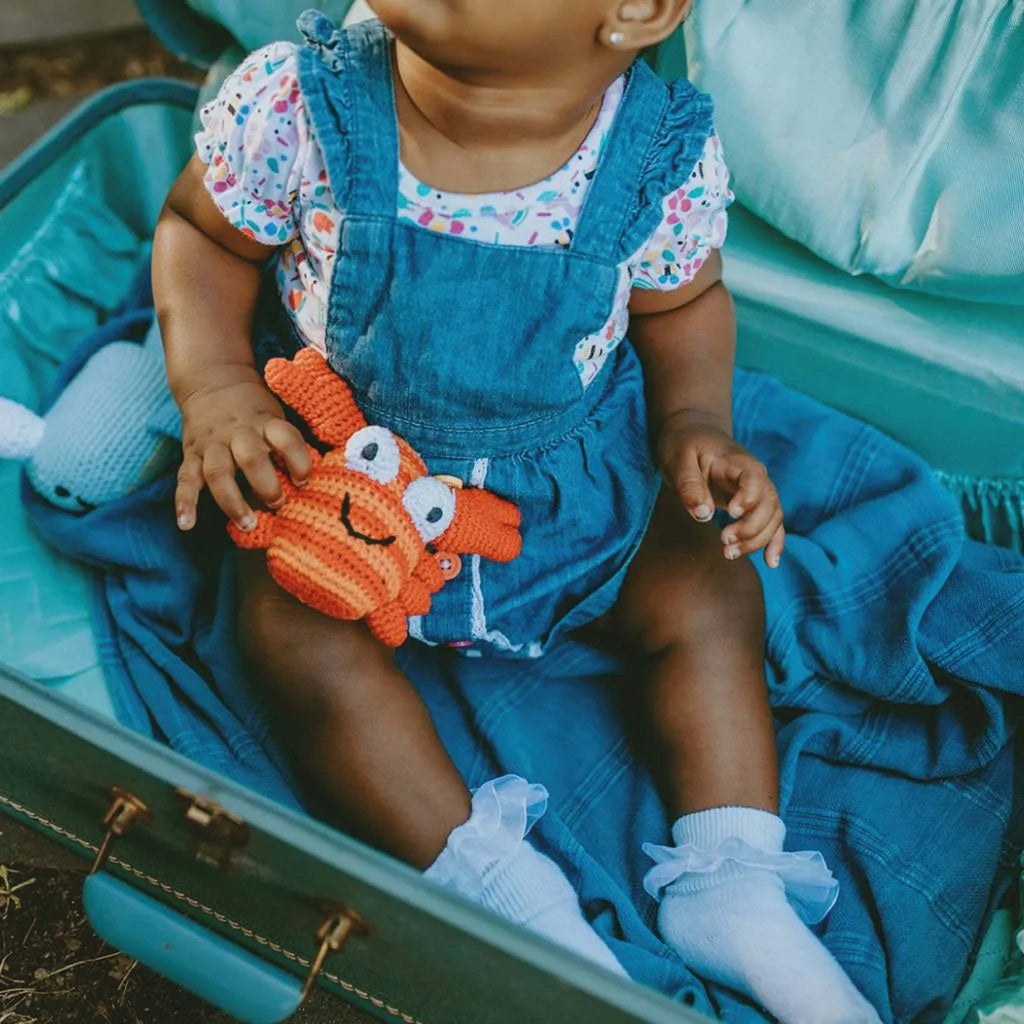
[250, 454]
[186, 494]
[219, 472]
[693, 490]
[773, 553]
[750, 479]
[759, 540]
[290, 445]
[739, 537]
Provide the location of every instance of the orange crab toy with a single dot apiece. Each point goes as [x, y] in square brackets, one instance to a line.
[371, 535]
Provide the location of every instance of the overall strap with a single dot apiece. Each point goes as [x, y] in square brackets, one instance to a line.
[348, 86]
[658, 135]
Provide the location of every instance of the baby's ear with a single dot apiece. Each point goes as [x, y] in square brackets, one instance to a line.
[637, 24]
[21, 430]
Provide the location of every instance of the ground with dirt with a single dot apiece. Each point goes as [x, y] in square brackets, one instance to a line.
[69, 66]
[53, 969]
[40, 83]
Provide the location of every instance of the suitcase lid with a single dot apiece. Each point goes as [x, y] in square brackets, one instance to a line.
[267, 882]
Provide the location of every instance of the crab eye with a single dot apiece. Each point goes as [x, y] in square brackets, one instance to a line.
[374, 451]
[431, 506]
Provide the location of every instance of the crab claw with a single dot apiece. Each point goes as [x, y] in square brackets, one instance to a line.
[484, 524]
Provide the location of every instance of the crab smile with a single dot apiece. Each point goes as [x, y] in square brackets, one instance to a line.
[346, 507]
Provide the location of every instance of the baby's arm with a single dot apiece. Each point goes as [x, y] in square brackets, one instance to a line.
[686, 340]
[206, 277]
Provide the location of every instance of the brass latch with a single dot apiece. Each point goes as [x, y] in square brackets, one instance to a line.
[332, 936]
[123, 811]
[216, 834]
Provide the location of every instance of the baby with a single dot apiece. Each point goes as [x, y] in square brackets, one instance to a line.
[467, 207]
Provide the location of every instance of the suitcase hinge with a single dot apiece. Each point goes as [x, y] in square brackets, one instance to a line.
[216, 834]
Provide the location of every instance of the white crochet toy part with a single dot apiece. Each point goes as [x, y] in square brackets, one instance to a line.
[113, 428]
[21, 430]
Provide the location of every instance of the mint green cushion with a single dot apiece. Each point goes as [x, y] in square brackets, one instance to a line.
[887, 137]
[942, 376]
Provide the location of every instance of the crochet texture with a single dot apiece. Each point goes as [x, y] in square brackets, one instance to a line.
[371, 535]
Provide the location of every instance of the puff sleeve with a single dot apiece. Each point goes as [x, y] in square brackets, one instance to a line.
[255, 141]
[694, 222]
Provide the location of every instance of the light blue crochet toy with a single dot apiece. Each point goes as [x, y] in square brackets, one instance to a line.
[113, 428]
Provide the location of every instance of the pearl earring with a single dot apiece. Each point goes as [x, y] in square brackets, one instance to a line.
[616, 38]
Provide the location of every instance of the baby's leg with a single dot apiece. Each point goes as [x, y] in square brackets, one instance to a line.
[698, 620]
[359, 734]
[363, 741]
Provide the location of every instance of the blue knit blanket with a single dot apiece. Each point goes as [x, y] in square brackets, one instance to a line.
[895, 653]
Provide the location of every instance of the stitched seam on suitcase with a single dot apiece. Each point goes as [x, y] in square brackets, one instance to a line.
[209, 911]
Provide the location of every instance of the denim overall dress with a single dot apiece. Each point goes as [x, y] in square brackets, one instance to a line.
[466, 348]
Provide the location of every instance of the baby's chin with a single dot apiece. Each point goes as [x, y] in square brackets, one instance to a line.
[416, 20]
[440, 34]
[484, 37]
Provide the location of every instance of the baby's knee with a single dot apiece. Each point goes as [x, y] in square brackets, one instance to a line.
[314, 667]
[266, 631]
[688, 601]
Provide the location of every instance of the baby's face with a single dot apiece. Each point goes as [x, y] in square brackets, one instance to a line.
[503, 36]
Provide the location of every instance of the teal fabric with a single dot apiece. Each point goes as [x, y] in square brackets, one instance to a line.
[993, 509]
[990, 962]
[251, 24]
[885, 136]
[1003, 1002]
[69, 250]
[909, 363]
[133, 139]
[50, 298]
[184, 31]
[49, 301]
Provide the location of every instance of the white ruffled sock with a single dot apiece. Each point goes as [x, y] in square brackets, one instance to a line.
[532, 890]
[488, 860]
[725, 911]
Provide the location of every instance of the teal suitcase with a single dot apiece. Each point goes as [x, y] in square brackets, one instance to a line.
[229, 894]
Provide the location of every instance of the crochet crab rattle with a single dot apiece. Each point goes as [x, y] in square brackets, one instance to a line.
[371, 535]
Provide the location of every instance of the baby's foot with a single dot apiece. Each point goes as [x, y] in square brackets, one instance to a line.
[730, 922]
[489, 860]
[532, 890]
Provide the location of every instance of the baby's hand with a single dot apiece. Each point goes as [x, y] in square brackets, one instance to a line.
[231, 427]
[708, 468]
